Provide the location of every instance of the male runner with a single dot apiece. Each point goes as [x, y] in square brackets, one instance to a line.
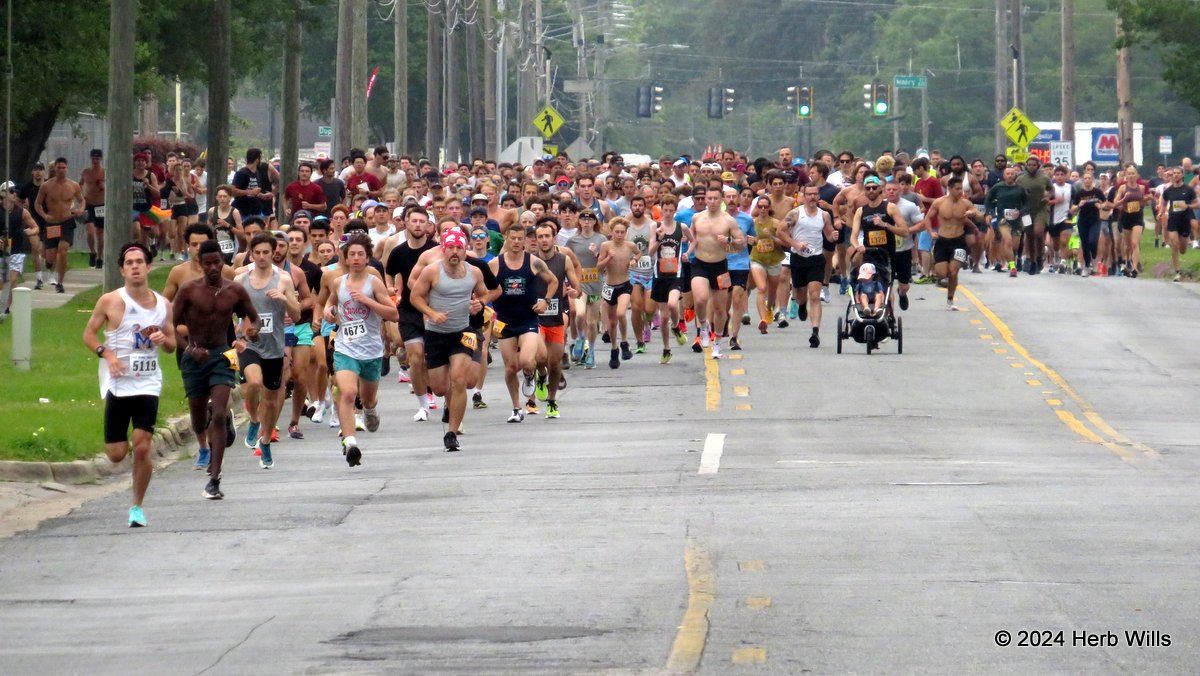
[203, 312]
[551, 322]
[446, 293]
[667, 250]
[806, 227]
[1175, 209]
[950, 241]
[586, 315]
[92, 182]
[1038, 187]
[517, 309]
[359, 304]
[300, 338]
[59, 201]
[1009, 204]
[902, 261]
[136, 324]
[400, 263]
[20, 233]
[273, 293]
[716, 234]
[640, 231]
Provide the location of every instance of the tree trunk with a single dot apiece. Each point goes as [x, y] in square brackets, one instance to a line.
[433, 88]
[341, 96]
[148, 114]
[118, 163]
[358, 77]
[400, 80]
[288, 154]
[30, 141]
[1068, 73]
[1124, 101]
[489, 149]
[219, 93]
[454, 43]
[473, 64]
[1000, 100]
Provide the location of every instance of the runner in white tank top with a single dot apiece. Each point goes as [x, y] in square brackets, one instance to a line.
[137, 323]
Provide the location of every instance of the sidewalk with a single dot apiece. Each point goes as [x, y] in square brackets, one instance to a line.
[77, 282]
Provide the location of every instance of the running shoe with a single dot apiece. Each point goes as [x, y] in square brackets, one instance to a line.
[334, 421]
[591, 360]
[762, 326]
[531, 407]
[551, 410]
[951, 306]
[640, 348]
[274, 435]
[793, 309]
[450, 441]
[843, 286]
[252, 435]
[430, 401]
[903, 301]
[646, 335]
[706, 337]
[38, 286]
[614, 360]
[1177, 277]
[814, 340]
[824, 294]
[681, 328]
[696, 345]
[477, 400]
[359, 423]
[58, 288]
[562, 382]
[212, 491]
[666, 357]
[294, 432]
[745, 320]
[202, 459]
[318, 413]
[353, 454]
[577, 349]
[517, 416]
[606, 338]
[421, 415]
[802, 311]
[371, 418]
[679, 337]
[626, 355]
[137, 519]
[734, 344]
[1012, 272]
[716, 350]
[265, 461]
[540, 389]
[688, 315]
[446, 415]
[402, 375]
[655, 323]
[783, 324]
[527, 385]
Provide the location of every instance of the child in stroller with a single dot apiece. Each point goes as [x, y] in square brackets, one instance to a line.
[869, 291]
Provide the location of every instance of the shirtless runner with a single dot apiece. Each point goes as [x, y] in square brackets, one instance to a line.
[59, 202]
[92, 181]
[716, 234]
[950, 240]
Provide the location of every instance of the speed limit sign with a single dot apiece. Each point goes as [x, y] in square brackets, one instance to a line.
[1061, 153]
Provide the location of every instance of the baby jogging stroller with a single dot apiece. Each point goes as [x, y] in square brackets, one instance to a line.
[859, 323]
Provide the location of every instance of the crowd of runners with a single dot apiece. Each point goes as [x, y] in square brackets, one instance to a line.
[385, 266]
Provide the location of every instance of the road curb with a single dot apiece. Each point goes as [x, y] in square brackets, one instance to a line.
[169, 444]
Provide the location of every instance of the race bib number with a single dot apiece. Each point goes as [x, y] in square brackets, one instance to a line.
[231, 357]
[469, 340]
[53, 231]
[498, 327]
[765, 245]
[551, 308]
[266, 324]
[723, 281]
[590, 276]
[1011, 214]
[960, 255]
[1179, 205]
[877, 238]
[668, 266]
[99, 211]
[143, 365]
[351, 331]
[645, 264]
[228, 246]
[1027, 220]
[1133, 207]
[607, 292]
[811, 250]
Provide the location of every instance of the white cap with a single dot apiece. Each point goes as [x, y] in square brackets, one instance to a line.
[398, 212]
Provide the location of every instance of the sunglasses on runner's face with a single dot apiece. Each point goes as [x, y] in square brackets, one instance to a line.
[844, 160]
[479, 235]
[871, 187]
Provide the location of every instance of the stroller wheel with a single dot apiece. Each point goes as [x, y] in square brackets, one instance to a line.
[899, 336]
[869, 337]
[839, 335]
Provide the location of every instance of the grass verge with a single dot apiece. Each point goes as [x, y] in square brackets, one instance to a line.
[70, 427]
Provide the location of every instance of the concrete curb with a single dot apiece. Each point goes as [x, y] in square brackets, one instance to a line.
[169, 444]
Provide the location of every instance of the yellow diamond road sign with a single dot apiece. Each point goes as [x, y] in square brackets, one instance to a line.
[548, 121]
[1020, 129]
[1016, 154]
[548, 149]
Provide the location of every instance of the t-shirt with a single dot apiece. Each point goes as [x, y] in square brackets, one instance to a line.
[297, 192]
[335, 193]
[370, 180]
[29, 193]
[15, 230]
[740, 259]
[248, 179]
[1087, 199]
[1062, 208]
[401, 262]
[1179, 204]
[1037, 185]
[912, 215]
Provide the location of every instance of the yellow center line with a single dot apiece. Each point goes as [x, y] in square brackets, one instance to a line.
[1115, 439]
[712, 382]
[751, 655]
[758, 602]
[737, 372]
[693, 631]
[741, 391]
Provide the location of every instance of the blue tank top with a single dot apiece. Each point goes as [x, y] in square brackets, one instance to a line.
[518, 292]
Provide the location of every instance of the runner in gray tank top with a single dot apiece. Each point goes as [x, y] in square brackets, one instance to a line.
[586, 315]
[261, 361]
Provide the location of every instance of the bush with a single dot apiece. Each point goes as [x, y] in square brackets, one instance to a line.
[159, 147]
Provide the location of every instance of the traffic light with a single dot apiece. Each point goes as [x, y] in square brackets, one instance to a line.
[644, 105]
[804, 102]
[656, 97]
[728, 95]
[881, 99]
[716, 106]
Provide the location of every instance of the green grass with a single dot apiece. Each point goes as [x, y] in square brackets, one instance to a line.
[1152, 258]
[70, 427]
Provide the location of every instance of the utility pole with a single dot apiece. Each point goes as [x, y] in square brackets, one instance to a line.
[490, 101]
[220, 39]
[1068, 72]
[925, 118]
[1000, 57]
[121, 109]
[526, 70]
[289, 152]
[400, 77]
[1018, 54]
[342, 88]
[1124, 100]
[473, 60]
[501, 78]
[603, 13]
[454, 49]
[539, 47]
[433, 87]
[358, 76]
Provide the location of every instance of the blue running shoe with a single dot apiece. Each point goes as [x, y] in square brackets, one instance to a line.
[136, 518]
[843, 286]
[590, 359]
[793, 309]
[252, 435]
[202, 459]
[577, 350]
[265, 460]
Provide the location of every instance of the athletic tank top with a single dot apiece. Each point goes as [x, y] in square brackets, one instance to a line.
[668, 253]
[130, 342]
[515, 304]
[553, 316]
[810, 230]
[222, 225]
[270, 318]
[582, 248]
[453, 297]
[141, 199]
[874, 234]
[640, 236]
[359, 328]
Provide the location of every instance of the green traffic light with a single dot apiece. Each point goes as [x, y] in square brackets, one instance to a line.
[805, 111]
[881, 107]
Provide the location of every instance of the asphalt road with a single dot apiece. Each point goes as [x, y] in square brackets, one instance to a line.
[1026, 465]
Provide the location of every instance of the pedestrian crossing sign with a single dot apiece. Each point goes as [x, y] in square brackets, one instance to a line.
[1019, 128]
[1016, 154]
[548, 121]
